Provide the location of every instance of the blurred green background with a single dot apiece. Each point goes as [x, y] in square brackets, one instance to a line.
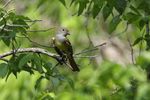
[105, 74]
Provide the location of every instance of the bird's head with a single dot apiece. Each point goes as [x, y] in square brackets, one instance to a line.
[63, 31]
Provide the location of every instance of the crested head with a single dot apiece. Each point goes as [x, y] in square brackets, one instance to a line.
[63, 31]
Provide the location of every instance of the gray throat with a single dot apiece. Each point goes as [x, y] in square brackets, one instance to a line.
[60, 37]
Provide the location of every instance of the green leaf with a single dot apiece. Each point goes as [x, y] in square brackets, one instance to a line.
[24, 60]
[114, 23]
[13, 66]
[3, 70]
[137, 40]
[141, 24]
[23, 17]
[144, 5]
[28, 69]
[120, 5]
[106, 11]
[67, 79]
[63, 2]
[96, 8]
[131, 17]
[6, 38]
[71, 83]
[82, 6]
[72, 1]
[134, 9]
[55, 81]
[22, 28]
[48, 67]
[38, 81]
[147, 39]
[38, 63]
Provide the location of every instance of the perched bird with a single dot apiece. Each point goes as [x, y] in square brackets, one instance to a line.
[64, 48]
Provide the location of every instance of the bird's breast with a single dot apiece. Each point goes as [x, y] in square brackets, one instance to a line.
[61, 45]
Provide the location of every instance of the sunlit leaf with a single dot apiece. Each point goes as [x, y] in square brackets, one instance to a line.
[114, 23]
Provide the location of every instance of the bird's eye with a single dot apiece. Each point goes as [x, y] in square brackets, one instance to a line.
[63, 29]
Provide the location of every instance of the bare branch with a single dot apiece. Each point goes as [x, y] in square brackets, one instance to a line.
[34, 50]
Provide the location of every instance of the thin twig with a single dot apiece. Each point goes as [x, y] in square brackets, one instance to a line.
[140, 46]
[90, 50]
[132, 53]
[120, 33]
[45, 30]
[36, 20]
[7, 3]
[36, 42]
[86, 56]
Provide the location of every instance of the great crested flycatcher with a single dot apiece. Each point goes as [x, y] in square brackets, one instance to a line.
[64, 48]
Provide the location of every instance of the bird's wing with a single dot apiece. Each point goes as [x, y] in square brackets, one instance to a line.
[68, 46]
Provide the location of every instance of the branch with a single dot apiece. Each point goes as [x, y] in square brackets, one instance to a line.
[132, 52]
[34, 50]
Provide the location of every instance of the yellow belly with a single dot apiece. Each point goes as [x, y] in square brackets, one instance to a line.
[61, 46]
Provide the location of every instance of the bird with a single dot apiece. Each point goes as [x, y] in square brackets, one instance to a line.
[63, 47]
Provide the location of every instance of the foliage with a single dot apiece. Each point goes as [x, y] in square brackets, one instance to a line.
[107, 80]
